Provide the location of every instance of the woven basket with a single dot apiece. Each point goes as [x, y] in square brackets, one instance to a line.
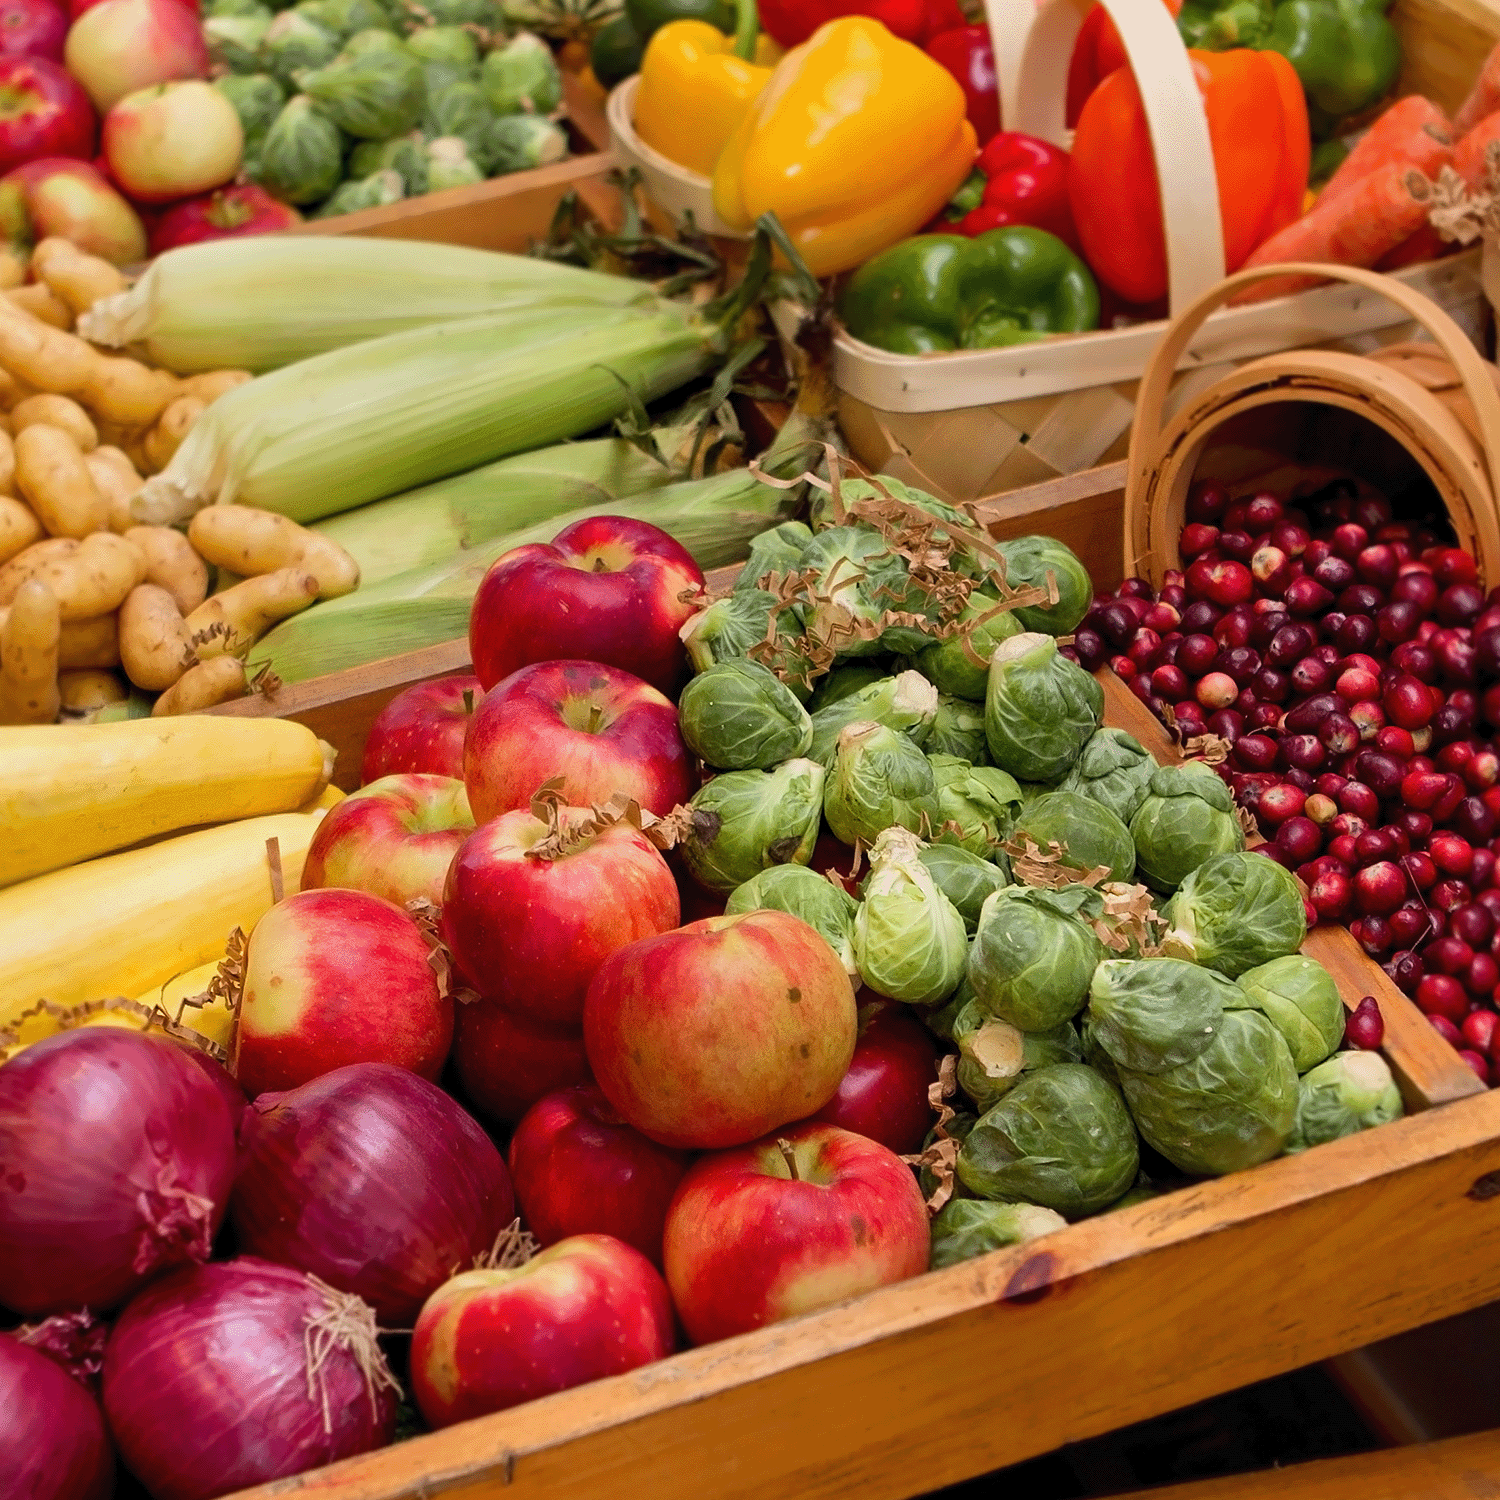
[1435, 407]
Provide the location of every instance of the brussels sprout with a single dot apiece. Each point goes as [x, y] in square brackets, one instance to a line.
[522, 77]
[954, 522]
[1062, 1138]
[517, 143]
[856, 578]
[739, 715]
[406, 155]
[940, 1019]
[1091, 835]
[374, 191]
[1152, 1014]
[372, 96]
[775, 551]
[1230, 1107]
[346, 17]
[1113, 769]
[1186, 817]
[224, 8]
[879, 780]
[976, 804]
[1040, 709]
[301, 157]
[907, 702]
[1352, 1091]
[257, 100]
[993, 1056]
[958, 729]
[449, 165]
[744, 822]
[1028, 561]
[965, 879]
[729, 627]
[823, 904]
[234, 41]
[949, 665]
[460, 109]
[1236, 911]
[482, 13]
[1034, 954]
[372, 39]
[970, 1227]
[451, 44]
[1300, 999]
[909, 939]
[849, 677]
[1142, 1192]
[292, 42]
[957, 1129]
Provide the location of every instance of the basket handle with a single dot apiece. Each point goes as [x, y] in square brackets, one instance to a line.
[1032, 51]
[1449, 337]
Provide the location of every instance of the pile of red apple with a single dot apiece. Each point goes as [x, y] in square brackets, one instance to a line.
[712, 1096]
[110, 135]
[1352, 663]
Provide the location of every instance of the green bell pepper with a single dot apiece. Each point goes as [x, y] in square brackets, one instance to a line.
[945, 291]
[649, 16]
[1216, 27]
[619, 45]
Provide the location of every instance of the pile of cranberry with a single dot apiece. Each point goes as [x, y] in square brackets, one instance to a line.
[1352, 663]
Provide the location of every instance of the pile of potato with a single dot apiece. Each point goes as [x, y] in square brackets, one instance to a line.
[92, 604]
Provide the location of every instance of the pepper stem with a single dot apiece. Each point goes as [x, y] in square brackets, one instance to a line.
[747, 31]
[789, 1157]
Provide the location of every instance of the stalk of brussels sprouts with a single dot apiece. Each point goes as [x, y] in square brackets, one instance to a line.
[993, 1056]
[1301, 1000]
[1113, 769]
[1091, 835]
[906, 702]
[1040, 708]
[909, 939]
[1028, 561]
[1062, 1138]
[1034, 954]
[1235, 911]
[977, 805]
[1232, 1106]
[965, 879]
[970, 1227]
[879, 780]
[738, 715]
[824, 905]
[958, 729]
[1352, 1091]
[778, 550]
[522, 77]
[744, 822]
[1152, 1014]
[1186, 817]
[950, 667]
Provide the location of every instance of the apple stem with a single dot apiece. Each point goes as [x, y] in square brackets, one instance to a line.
[596, 714]
[468, 700]
[600, 566]
[789, 1157]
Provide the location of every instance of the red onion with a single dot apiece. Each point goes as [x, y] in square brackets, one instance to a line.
[52, 1440]
[227, 1375]
[73, 1340]
[372, 1179]
[116, 1160]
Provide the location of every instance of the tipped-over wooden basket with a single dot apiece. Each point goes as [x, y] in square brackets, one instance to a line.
[1430, 409]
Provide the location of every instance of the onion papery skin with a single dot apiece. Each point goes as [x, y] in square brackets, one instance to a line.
[116, 1162]
[52, 1440]
[372, 1179]
[206, 1383]
[74, 1341]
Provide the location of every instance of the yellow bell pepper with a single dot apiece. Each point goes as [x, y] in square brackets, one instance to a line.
[694, 91]
[856, 142]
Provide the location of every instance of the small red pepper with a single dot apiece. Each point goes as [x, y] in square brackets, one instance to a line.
[1028, 184]
[1096, 54]
[969, 57]
[791, 22]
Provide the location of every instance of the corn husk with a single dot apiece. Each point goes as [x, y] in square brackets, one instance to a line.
[263, 302]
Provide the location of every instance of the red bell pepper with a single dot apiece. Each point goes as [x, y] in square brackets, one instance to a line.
[791, 22]
[1096, 54]
[969, 57]
[1027, 184]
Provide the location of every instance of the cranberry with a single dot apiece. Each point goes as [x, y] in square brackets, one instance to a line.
[1357, 633]
[1417, 660]
[1417, 587]
[1271, 686]
[1237, 545]
[1374, 936]
[1162, 618]
[1448, 955]
[1197, 538]
[1474, 822]
[1238, 662]
[1359, 801]
[1382, 773]
[1320, 807]
[1483, 976]
[1478, 1063]
[1446, 1029]
[1207, 502]
[1341, 846]
[1489, 704]
[1144, 647]
[1334, 573]
[1227, 724]
[1308, 714]
[1298, 838]
[1117, 624]
[1473, 924]
[1356, 684]
[1396, 741]
[1306, 596]
[1289, 645]
[1217, 690]
[1379, 889]
[1199, 617]
[1365, 1027]
[1378, 564]
[1490, 901]
[1170, 683]
[1263, 511]
[1255, 752]
[1190, 715]
[1455, 755]
[1405, 968]
[1454, 565]
[1421, 869]
[1305, 752]
[1265, 624]
[1459, 603]
[1091, 648]
[1373, 845]
[1234, 629]
[1290, 537]
[1271, 568]
[1263, 715]
[1369, 719]
[1348, 541]
[1442, 995]
[1140, 685]
[1448, 895]
[1479, 1029]
[1409, 925]
[1422, 789]
[1483, 771]
[1311, 676]
[1483, 873]
[1397, 622]
[1339, 734]
[1332, 896]
[1172, 592]
[1453, 856]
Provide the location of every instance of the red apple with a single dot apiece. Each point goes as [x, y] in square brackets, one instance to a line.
[221, 215]
[32, 28]
[119, 46]
[77, 7]
[529, 930]
[70, 200]
[768, 1231]
[605, 589]
[170, 140]
[506, 1062]
[394, 838]
[578, 1168]
[332, 978]
[487, 1340]
[423, 728]
[600, 729]
[712, 1035]
[43, 113]
[884, 1093]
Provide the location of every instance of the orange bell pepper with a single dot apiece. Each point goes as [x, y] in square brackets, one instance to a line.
[1096, 54]
[1257, 125]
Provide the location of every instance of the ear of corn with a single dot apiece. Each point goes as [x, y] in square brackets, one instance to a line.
[377, 418]
[263, 302]
[69, 792]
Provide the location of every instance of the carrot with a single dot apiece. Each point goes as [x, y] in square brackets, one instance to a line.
[1356, 229]
[1413, 132]
[1484, 97]
[1470, 155]
[1422, 245]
